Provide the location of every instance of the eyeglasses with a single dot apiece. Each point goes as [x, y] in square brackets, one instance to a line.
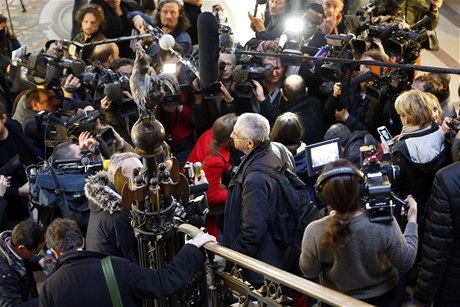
[235, 137]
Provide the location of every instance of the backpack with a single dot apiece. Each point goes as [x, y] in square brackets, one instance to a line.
[294, 210]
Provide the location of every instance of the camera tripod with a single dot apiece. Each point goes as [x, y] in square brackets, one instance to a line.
[9, 14]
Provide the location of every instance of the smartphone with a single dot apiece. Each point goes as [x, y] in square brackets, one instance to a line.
[383, 131]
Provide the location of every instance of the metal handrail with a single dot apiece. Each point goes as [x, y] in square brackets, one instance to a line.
[292, 281]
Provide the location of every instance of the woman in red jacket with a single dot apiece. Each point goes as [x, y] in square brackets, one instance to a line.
[213, 150]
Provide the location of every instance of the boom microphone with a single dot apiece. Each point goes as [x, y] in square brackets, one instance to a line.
[208, 43]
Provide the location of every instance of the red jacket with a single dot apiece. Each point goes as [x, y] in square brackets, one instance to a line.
[214, 166]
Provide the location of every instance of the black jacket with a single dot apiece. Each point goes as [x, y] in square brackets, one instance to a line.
[249, 210]
[310, 110]
[116, 26]
[17, 283]
[439, 276]
[109, 227]
[16, 143]
[79, 279]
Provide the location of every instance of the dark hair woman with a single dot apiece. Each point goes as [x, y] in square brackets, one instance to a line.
[350, 253]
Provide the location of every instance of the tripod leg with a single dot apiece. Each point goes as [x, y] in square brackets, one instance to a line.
[23, 7]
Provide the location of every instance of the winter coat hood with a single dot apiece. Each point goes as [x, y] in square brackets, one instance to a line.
[100, 195]
[426, 149]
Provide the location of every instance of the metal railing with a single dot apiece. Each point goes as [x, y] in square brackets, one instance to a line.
[276, 281]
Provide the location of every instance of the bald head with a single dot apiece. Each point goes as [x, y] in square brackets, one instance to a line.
[293, 87]
[106, 54]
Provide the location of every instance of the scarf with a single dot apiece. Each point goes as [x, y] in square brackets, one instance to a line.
[406, 130]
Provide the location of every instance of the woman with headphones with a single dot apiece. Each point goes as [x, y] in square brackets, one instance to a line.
[350, 253]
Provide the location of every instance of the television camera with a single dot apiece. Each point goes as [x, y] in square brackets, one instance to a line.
[378, 199]
[405, 43]
[389, 85]
[245, 71]
[63, 126]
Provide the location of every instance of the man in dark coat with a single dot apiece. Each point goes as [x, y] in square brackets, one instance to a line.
[297, 100]
[252, 196]
[109, 226]
[438, 279]
[17, 261]
[116, 22]
[82, 270]
[13, 143]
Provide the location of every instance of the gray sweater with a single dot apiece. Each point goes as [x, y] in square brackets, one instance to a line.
[367, 265]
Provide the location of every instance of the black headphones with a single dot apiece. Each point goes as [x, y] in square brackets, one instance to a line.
[340, 171]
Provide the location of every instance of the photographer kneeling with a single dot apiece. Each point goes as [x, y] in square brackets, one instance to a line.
[349, 252]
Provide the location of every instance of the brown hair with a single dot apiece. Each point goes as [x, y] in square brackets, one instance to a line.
[94, 9]
[183, 22]
[341, 193]
[287, 130]
[9, 34]
[431, 84]
[221, 130]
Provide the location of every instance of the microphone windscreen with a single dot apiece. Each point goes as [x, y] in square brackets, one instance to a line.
[225, 39]
[114, 92]
[166, 41]
[239, 75]
[208, 43]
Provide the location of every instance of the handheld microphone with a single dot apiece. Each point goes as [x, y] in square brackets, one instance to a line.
[167, 42]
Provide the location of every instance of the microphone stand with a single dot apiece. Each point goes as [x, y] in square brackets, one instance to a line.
[118, 39]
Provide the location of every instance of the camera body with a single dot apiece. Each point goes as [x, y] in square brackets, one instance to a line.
[377, 198]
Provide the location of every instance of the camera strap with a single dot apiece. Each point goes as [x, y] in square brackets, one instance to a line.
[59, 191]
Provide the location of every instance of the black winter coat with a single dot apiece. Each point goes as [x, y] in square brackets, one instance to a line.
[249, 210]
[310, 110]
[439, 276]
[109, 227]
[17, 283]
[79, 279]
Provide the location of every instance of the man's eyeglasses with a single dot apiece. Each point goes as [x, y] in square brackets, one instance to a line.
[234, 136]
